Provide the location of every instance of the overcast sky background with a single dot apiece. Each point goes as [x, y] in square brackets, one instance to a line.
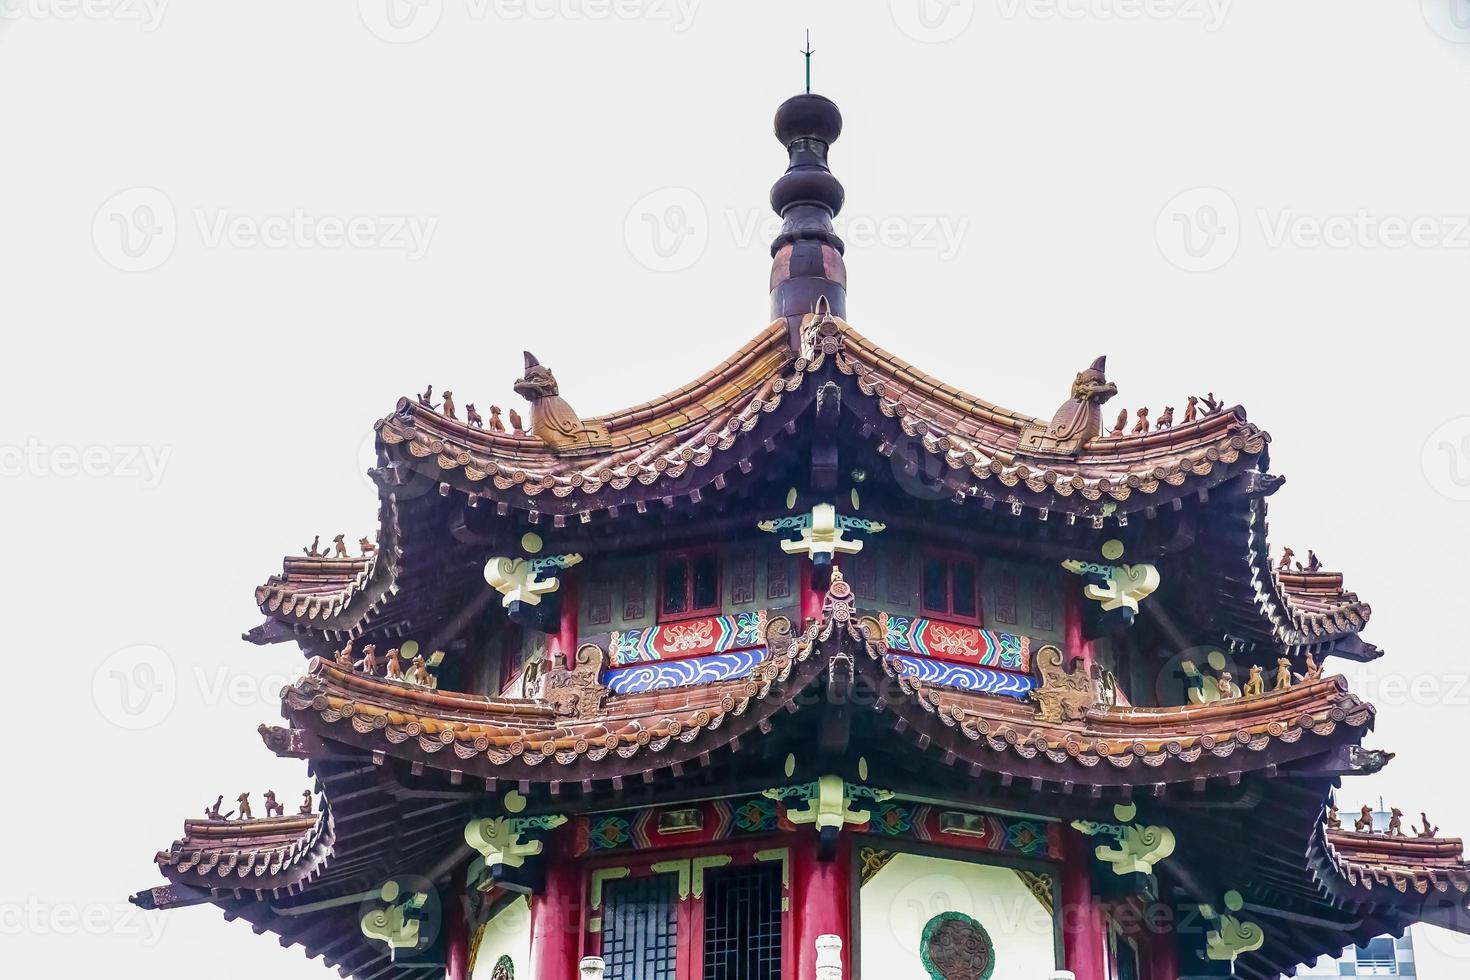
[1029, 185]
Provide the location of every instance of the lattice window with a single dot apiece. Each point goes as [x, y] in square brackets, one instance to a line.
[640, 938]
[742, 923]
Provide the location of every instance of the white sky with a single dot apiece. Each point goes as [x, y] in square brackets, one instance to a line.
[1046, 138]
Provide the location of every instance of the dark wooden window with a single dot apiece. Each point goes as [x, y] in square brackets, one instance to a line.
[689, 585]
[742, 923]
[951, 587]
[640, 935]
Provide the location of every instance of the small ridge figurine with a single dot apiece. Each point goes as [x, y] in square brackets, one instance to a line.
[496, 425]
[339, 543]
[369, 662]
[1364, 824]
[1119, 425]
[315, 551]
[1191, 409]
[1211, 405]
[1225, 684]
[245, 812]
[1313, 671]
[1166, 418]
[1141, 426]
[1284, 565]
[213, 812]
[1396, 823]
[305, 810]
[427, 398]
[395, 665]
[272, 808]
[418, 672]
[1283, 674]
[366, 547]
[473, 417]
[448, 408]
[1255, 684]
[344, 656]
[516, 423]
[1428, 832]
[1314, 564]
[1334, 822]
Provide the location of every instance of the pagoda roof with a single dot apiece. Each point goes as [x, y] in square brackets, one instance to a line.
[702, 431]
[1406, 865]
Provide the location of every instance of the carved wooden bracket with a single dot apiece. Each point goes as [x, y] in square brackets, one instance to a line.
[822, 533]
[503, 840]
[1231, 936]
[397, 924]
[519, 579]
[1140, 846]
[828, 802]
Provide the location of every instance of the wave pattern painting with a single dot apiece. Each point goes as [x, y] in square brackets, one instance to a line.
[682, 673]
[965, 678]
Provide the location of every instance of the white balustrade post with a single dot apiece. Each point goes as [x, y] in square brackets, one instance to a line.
[1062, 975]
[829, 958]
[592, 968]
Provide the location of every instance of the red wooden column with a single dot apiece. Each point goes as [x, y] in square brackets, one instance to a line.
[457, 939]
[811, 599]
[556, 916]
[1076, 645]
[566, 636]
[821, 900]
[1084, 927]
[1163, 953]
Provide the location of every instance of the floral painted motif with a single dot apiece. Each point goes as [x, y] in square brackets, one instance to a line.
[957, 643]
[605, 833]
[694, 638]
[755, 815]
[892, 819]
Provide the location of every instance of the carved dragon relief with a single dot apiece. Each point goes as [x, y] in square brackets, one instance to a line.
[553, 421]
[576, 690]
[1078, 420]
[1066, 690]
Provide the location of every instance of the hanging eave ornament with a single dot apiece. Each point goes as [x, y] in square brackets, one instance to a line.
[1118, 589]
[821, 533]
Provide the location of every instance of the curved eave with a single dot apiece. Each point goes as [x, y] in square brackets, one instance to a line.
[526, 740]
[1403, 873]
[267, 857]
[1130, 746]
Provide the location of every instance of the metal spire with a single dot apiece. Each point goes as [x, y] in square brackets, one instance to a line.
[808, 52]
